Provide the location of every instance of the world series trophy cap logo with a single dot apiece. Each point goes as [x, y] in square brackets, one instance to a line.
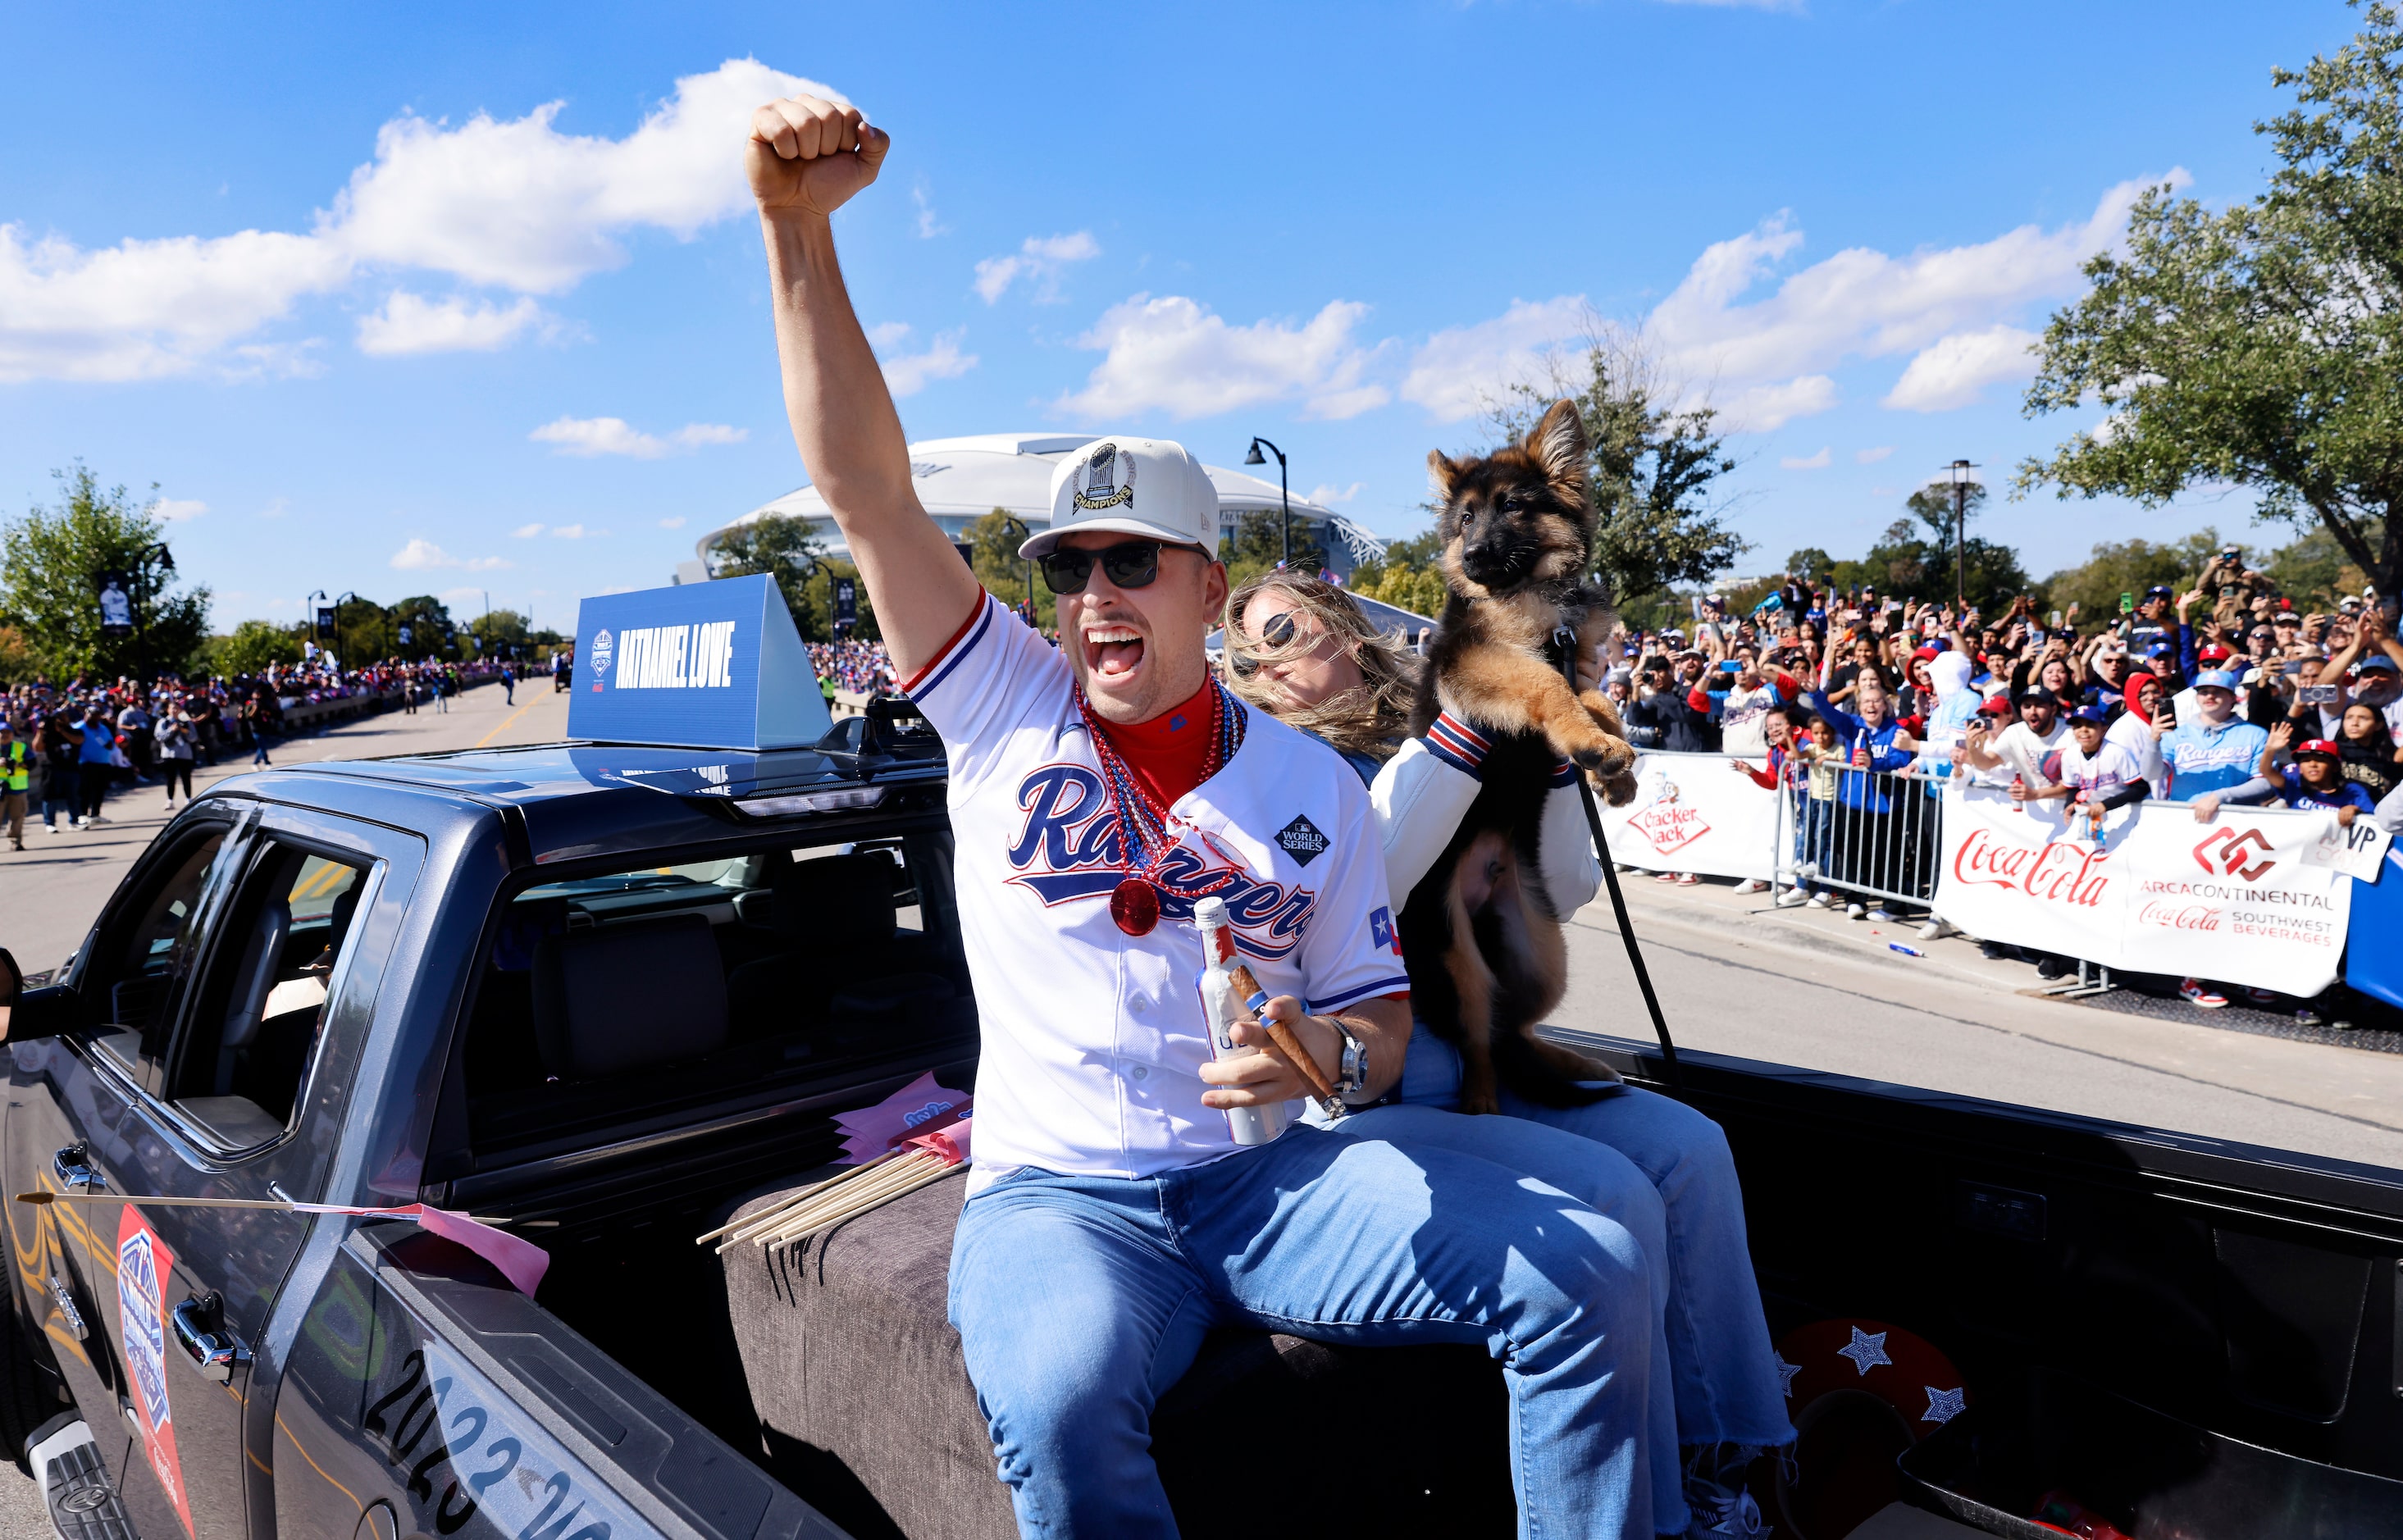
[1101, 487]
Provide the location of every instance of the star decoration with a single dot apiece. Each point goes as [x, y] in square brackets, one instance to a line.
[1785, 1373]
[1942, 1405]
[1866, 1352]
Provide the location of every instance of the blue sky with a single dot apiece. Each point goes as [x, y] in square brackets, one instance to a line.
[468, 299]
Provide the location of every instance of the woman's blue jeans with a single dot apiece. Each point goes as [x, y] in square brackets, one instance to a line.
[1080, 1299]
[1722, 1368]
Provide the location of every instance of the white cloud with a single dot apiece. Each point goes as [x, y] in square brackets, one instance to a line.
[142, 309]
[1870, 457]
[1820, 461]
[929, 224]
[176, 509]
[1861, 303]
[426, 555]
[521, 205]
[907, 374]
[1762, 409]
[676, 523]
[515, 204]
[409, 323]
[567, 532]
[885, 333]
[1456, 371]
[1955, 370]
[1172, 354]
[1327, 493]
[526, 531]
[1039, 260]
[588, 436]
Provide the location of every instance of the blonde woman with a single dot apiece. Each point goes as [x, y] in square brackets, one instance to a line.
[1302, 650]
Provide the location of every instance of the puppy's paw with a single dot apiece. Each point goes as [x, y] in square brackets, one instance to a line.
[1480, 1103]
[1617, 790]
[1604, 757]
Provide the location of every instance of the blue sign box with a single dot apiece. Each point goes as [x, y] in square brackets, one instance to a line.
[705, 665]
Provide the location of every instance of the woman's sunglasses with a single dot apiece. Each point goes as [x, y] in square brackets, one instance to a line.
[1130, 564]
[1275, 631]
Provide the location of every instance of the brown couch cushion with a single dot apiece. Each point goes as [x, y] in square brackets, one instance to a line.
[866, 1410]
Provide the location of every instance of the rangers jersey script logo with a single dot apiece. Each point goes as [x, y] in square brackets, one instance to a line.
[1068, 849]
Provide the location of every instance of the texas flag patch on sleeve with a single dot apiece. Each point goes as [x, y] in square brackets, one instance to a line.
[1381, 931]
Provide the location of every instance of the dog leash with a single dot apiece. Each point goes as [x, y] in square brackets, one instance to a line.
[1567, 640]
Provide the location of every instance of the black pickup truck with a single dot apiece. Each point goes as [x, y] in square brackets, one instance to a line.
[605, 996]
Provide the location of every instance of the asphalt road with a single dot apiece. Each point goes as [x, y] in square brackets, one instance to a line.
[1812, 989]
[56, 887]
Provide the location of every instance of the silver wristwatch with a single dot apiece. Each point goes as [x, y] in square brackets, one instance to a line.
[1354, 1075]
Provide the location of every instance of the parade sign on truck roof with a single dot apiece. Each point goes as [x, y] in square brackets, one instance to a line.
[715, 665]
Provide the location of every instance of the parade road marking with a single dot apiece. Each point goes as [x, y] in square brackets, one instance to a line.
[509, 722]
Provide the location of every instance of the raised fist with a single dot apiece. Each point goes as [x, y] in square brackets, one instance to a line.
[808, 156]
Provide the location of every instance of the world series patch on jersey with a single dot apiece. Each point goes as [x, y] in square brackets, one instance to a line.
[1093, 1039]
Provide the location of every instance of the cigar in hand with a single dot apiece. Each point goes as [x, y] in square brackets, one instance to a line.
[1255, 1000]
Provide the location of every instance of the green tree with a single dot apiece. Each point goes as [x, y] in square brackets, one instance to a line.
[820, 594]
[19, 663]
[1808, 565]
[995, 539]
[251, 648]
[1656, 476]
[2313, 570]
[429, 624]
[1257, 542]
[2263, 345]
[788, 550]
[496, 632]
[48, 561]
[2114, 567]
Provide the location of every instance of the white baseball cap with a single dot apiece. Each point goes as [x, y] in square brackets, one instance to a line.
[1146, 486]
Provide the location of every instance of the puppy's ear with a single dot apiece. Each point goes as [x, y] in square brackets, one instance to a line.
[1559, 445]
[1443, 473]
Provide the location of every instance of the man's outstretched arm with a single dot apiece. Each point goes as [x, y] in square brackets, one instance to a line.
[806, 159]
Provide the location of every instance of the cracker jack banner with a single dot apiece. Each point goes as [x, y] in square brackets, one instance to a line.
[2250, 898]
[1693, 813]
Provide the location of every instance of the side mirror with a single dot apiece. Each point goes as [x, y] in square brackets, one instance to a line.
[27, 1014]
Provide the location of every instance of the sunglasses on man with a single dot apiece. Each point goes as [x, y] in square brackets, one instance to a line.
[1129, 565]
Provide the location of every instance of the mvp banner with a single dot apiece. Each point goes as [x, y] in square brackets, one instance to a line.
[2251, 898]
[1694, 812]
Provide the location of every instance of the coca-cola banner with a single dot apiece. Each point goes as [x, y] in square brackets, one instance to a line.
[1694, 812]
[2247, 898]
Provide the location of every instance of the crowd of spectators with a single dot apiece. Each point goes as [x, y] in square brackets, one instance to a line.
[2222, 693]
[861, 668]
[66, 748]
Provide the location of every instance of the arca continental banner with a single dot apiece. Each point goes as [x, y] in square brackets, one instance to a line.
[2252, 897]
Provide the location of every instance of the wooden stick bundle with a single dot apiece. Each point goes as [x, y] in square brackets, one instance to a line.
[1283, 1036]
[830, 1202]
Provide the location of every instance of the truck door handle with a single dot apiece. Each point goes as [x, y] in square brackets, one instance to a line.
[215, 1353]
[73, 1168]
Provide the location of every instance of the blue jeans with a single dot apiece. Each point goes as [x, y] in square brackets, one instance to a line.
[1813, 837]
[1080, 1299]
[1721, 1365]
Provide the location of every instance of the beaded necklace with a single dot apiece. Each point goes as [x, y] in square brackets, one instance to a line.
[1147, 830]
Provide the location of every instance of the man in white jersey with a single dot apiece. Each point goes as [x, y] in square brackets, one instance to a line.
[2096, 774]
[1097, 792]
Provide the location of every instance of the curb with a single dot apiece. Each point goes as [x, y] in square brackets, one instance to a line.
[1786, 930]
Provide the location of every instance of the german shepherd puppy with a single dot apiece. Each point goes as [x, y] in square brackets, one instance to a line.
[1480, 937]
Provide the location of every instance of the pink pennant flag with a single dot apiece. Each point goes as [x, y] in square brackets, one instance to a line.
[950, 1141]
[522, 1262]
[922, 1106]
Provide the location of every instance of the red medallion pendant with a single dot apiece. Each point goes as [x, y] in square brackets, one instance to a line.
[1134, 904]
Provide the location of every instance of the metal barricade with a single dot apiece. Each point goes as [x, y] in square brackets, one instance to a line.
[1875, 834]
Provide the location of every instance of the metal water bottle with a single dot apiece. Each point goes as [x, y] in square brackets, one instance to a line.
[1221, 1008]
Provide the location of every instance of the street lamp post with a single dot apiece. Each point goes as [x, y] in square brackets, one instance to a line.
[142, 559]
[1959, 471]
[1024, 534]
[338, 623]
[1285, 498]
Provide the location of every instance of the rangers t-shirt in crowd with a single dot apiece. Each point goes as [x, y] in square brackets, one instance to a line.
[1092, 1038]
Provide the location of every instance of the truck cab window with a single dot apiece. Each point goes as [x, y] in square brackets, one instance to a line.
[238, 1068]
[671, 986]
[143, 969]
